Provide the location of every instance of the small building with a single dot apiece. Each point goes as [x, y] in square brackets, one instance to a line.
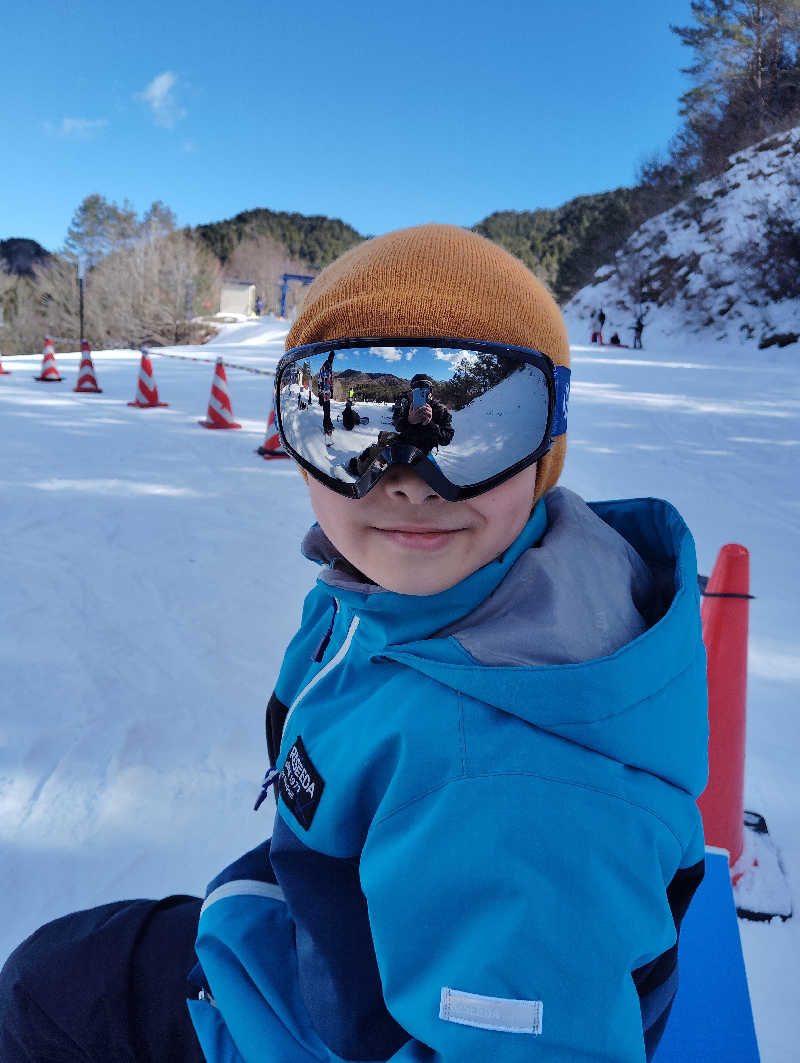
[237, 297]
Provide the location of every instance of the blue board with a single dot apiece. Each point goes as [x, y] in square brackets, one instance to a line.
[711, 1020]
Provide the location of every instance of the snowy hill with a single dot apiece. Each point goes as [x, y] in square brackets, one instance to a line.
[702, 269]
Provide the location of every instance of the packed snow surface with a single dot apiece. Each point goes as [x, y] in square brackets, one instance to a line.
[152, 580]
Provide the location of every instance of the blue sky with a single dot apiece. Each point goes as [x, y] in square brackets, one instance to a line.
[381, 114]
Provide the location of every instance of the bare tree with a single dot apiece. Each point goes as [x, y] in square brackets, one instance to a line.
[263, 261]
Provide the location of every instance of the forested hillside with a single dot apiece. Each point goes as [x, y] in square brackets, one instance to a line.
[314, 240]
[19, 256]
[564, 246]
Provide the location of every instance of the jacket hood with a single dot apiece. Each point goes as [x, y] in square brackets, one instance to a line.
[585, 627]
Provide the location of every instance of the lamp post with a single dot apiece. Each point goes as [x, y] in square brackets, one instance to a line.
[81, 284]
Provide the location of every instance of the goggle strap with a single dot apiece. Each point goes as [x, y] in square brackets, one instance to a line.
[562, 377]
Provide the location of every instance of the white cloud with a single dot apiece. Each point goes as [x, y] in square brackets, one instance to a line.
[389, 354]
[453, 358]
[160, 98]
[76, 128]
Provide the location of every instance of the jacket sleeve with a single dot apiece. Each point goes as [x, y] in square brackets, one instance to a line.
[444, 422]
[400, 414]
[508, 913]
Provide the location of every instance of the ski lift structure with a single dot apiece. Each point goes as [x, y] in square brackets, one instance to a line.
[302, 278]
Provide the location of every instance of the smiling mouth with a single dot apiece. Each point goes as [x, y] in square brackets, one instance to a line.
[415, 538]
[415, 530]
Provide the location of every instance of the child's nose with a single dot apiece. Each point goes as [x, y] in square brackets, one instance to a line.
[403, 484]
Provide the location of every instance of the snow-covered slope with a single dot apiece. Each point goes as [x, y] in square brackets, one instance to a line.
[150, 580]
[688, 268]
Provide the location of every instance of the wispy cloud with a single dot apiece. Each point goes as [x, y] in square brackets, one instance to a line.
[76, 128]
[159, 96]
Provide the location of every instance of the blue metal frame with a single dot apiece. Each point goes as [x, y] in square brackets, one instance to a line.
[285, 287]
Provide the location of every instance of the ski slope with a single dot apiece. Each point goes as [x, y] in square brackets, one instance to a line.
[151, 580]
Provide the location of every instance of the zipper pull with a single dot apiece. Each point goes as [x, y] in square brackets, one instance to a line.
[270, 779]
[319, 652]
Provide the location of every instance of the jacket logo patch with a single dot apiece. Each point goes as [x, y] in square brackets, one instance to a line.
[301, 785]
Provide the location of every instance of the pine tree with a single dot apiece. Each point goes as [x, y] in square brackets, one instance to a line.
[746, 73]
[99, 227]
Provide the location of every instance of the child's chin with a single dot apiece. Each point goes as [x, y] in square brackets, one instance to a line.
[419, 584]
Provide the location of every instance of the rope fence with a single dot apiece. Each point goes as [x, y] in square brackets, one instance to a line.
[210, 361]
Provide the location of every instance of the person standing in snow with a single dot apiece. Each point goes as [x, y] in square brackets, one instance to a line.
[638, 328]
[487, 736]
[325, 386]
[601, 320]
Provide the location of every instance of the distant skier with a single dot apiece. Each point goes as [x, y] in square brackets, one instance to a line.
[615, 341]
[638, 328]
[597, 321]
[259, 306]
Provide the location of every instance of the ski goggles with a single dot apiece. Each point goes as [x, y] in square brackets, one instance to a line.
[464, 414]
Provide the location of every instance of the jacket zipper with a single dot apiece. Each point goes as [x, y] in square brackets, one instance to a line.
[340, 655]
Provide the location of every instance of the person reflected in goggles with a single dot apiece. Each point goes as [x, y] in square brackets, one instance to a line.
[419, 420]
[325, 386]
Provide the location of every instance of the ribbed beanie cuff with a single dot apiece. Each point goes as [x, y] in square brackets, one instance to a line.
[436, 280]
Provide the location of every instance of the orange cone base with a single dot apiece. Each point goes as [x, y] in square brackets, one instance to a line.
[4, 372]
[224, 424]
[50, 379]
[147, 405]
[268, 455]
[86, 390]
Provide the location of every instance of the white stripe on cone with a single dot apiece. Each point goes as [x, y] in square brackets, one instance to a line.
[87, 378]
[146, 391]
[220, 411]
[272, 446]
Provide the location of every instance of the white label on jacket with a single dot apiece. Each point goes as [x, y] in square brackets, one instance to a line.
[491, 1013]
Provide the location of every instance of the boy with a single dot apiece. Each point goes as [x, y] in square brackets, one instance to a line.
[487, 735]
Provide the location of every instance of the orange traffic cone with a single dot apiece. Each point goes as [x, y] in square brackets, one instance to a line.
[49, 372]
[220, 412]
[272, 446]
[724, 613]
[146, 390]
[4, 372]
[87, 379]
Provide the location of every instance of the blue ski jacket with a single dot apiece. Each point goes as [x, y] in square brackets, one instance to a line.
[486, 832]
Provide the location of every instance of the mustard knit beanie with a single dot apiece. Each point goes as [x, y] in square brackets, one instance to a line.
[436, 280]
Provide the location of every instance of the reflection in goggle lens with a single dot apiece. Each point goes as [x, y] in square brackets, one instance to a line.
[472, 413]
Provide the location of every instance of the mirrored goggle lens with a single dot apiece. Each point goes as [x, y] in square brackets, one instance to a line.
[471, 413]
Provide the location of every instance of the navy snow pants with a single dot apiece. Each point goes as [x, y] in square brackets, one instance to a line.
[107, 985]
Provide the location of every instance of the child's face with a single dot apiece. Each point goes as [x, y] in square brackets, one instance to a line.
[408, 539]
